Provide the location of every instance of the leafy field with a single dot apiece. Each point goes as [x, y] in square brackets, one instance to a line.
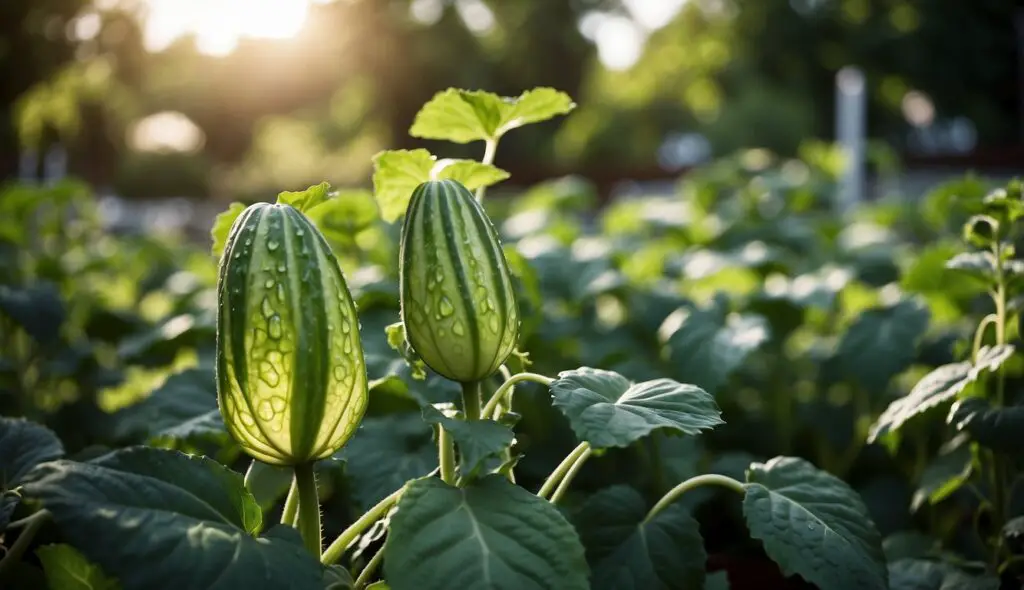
[730, 386]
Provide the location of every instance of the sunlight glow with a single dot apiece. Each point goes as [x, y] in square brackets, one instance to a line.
[219, 25]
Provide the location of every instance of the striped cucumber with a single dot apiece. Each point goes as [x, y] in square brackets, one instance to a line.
[458, 304]
[291, 377]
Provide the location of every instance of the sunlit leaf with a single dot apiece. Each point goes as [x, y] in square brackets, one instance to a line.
[943, 476]
[67, 569]
[23, 445]
[222, 227]
[462, 116]
[882, 342]
[305, 200]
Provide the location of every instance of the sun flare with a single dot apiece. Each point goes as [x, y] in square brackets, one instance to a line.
[219, 25]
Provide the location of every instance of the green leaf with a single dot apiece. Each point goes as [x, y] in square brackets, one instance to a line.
[705, 346]
[937, 387]
[399, 342]
[154, 518]
[184, 408]
[920, 574]
[607, 410]
[981, 230]
[943, 476]
[345, 214]
[222, 227]
[397, 173]
[386, 452]
[38, 309]
[814, 525]
[909, 544]
[477, 440]
[305, 200]
[981, 264]
[491, 534]
[666, 553]
[268, 483]
[67, 569]
[995, 428]
[717, 581]
[23, 445]
[462, 116]
[337, 577]
[881, 343]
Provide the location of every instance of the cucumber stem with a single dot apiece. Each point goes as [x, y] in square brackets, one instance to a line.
[693, 482]
[570, 475]
[335, 550]
[446, 455]
[291, 505]
[471, 400]
[309, 507]
[559, 473]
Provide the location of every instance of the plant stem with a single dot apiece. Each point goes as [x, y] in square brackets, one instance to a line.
[570, 475]
[364, 576]
[337, 548]
[446, 455]
[309, 507]
[471, 400]
[693, 482]
[490, 149]
[979, 334]
[563, 468]
[291, 504]
[16, 550]
[998, 465]
[508, 384]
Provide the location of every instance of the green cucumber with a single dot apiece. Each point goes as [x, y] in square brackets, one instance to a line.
[458, 303]
[291, 377]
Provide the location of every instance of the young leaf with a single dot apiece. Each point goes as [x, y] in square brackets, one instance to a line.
[157, 518]
[995, 428]
[607, 410]
[882, 342]
[67, 569]
[666, 553]
[491, 534]
[345, 214]
[705, 346]
[938, 387]
[307, 199]
[23, 445]
[814, 525]
[397, 173]
[386, 452]
[477, 439]
[462, 116]
[943, 476]
[222, 227]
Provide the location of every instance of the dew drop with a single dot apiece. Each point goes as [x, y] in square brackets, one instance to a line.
[277, 403]
[492, 323]
[272, 245]
[346, 327]
[347, 347]
[445, 307]
[281, 267]
[265, 410]
[441, 333]
[339, 372]
[458, 329]
[280, 292]
[275, 327]
[267, 308]
[299, 232]
[268, 284]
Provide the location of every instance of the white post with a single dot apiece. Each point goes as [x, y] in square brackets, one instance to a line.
[851, 103]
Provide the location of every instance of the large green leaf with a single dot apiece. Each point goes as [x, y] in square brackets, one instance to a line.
[881, 343]
[385, 453]
[183, 408]
[491, 534]
[345, 214]
[477, 440]
[397, 173]
[705, 346]
[995, 428]
[943, 476]
[161, 519]
[38, 309]
[23, 445]
[936, 388]
[814, 525]
[625, 552]
[462, 116]
[67, 569]
[607, 410]
[306, 200]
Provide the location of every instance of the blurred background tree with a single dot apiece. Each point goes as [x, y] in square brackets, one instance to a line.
[234, 98]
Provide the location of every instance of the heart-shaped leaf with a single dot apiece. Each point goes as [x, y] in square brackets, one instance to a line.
[306, 200]
[67, 569]
[607, 410]
[397, 173]
[155, 518]
[490, 534]
[881, 343]
[666, 553]
[23, 445]
[937, 387]
[462, 116]
[477, 440]
[814, 525]
[183, 408]
[705, 346]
